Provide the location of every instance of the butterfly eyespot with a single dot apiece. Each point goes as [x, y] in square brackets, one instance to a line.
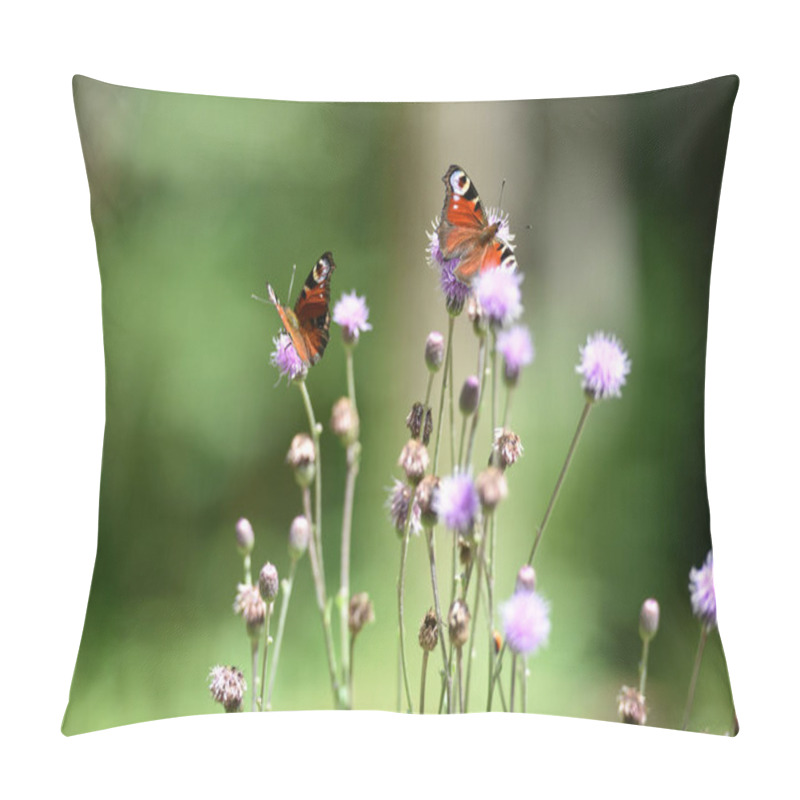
[459, 181]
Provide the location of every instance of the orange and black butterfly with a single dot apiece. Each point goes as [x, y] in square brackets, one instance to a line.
[465, 232]
[308, 325]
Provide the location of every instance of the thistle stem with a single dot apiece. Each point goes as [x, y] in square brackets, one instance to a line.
[401, 585]
[471, 645]
[266, 653]
[312, 424]
[286, 594]
[460, 681]
[643, 666]
[482, 370]
[447, 360]
[254, 652]
[422, 682]
[452, 417]
[513, 682]
[439, 622]
[693, 684]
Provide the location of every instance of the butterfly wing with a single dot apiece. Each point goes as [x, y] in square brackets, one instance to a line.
[290, 324]
[463, 222]
[312, 310]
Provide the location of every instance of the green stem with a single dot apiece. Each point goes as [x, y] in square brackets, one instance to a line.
[693, 685]
[266, 653]
[513, 682]
[643, 666]
[315, 430]
[471, 646]
[248, 578]
[575, 439]
[452, 418]
[254, 652]
[438, 609]
[447, 360]
[524, 680]
[422, 682]
[482, 370]
[286, 594]
[401, 585]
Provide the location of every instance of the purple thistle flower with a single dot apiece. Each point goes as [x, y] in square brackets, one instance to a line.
[351, 313]
[604, 365]
[701, 587]
[526, 622]
[435, 256]
[399, 496]
[455, 291]
[285, 358]
[457, 502]
[516, 347]
[498, 292]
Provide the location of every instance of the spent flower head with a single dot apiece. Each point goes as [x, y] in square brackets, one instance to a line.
[458, 619]
[344, 420]
[302, 458]
[701, 587]
[351, 313]
[250, 605]
[507, 447]
[498, 293]
[360, 612]
[526, 621]
[227, 686]
[399, 497]
[285, 358]
[631, 707]
[429, 632]
[516, 347]
[457, 502]
[604, 366]
[414, 460]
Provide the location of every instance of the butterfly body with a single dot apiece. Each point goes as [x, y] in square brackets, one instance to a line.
[465, 232]
[308, 323]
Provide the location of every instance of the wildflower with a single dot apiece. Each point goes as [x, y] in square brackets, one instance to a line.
[498, 292]
[435, 257]
[302, 458]
[507, 447]
[268, 581]
[526, 622]
[648, 619]
[360, 612]
[426, 492]
[492, 487]
[434, 351]
[457, 502]
[458, 623]
[631, 706]
[414, 460]
[455, 292]
[227, 687]
[344, 420]
[251, 606]
[285, 358]
[245, 538]
[351, 313]
[701, 586]
[604, 365]
[516, 347]
[526, 579]
[429, 632]
[470, 394]
[399, 497]
[299, 536]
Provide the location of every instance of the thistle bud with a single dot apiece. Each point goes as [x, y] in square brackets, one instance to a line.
[361, 612]
[299, 535]
[631, 706]
[425, 493]
[268, 582]
[344, 420]
[507, 448]
[434, 351]
[415, 419]
[302, 459]
[470, 395]
[648, 619]
[414, 460]
[526, 579]
[492, 487]
[458, 623]
[429, 632]
[227, 687]
[245, 538]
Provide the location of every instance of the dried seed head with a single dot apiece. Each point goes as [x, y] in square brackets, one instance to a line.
[399, 498]
[425, 493]
[631, 706]
[429, 632]
[299, 535]
[507, 448]
[480, 323]
[492, 487]
[361, 612]
[227, 687]
[464, 551]
[344, 420]
[458, 623]
[427, 428]
[470, 395]
[245, 538]
[526, 579]
[253, 609]
[434, 351]
[414, 460]
[302, 458]
[268, 583]
[415, 419]
[648, 619]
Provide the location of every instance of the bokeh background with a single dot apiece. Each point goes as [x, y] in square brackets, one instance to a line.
[197, 202]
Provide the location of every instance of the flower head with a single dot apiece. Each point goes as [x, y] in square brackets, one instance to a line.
[351, 313]
[458, 619]
[457, 502]
[399, 497]
[285, 358]
[245, 538]
[227, 686]
[604, 365]
[516, 347]
[455, 292]
[429, 632]
[526, 622]
[360, 612]
[498, 293]
[507, 447]
[631, 706]
[701, 587]
[434, 351]
[648, 619]
[252, 607]
[268, 583]
[299, 537]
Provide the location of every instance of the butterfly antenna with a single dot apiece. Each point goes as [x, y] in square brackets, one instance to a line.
[291, 282]
[500, 201]
[260, 299]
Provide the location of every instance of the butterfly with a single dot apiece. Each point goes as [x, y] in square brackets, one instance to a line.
[464, 231]
[308, 325]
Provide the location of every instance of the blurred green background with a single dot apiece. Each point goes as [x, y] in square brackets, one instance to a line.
[198, 201]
